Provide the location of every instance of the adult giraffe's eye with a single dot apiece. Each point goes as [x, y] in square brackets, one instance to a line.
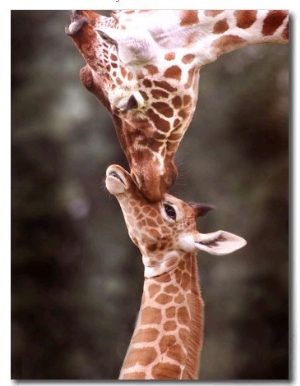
[170, 211]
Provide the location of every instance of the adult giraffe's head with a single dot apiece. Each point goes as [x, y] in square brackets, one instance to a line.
[144, 67]
[148, 85]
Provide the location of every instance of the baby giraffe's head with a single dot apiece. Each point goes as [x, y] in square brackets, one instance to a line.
[165, 231]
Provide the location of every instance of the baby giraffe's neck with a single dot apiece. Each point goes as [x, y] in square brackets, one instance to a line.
[168, 335]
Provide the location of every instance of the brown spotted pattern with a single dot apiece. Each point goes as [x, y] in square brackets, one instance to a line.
[152, 103]
[159, 345]
[245, 19]
[167, 322]
[272, 22]
[167, 339]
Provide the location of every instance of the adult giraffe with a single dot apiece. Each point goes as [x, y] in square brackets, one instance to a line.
[143, 66]
[167, 339]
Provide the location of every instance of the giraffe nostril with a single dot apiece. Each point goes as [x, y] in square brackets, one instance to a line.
[135, 101]
[132, 103]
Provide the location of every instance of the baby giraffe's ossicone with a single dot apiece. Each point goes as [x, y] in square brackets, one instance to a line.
[167, 339]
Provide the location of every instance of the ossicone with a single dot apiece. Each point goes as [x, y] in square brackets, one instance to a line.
[201, 209]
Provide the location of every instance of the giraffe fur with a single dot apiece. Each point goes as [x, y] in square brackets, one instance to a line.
[167, 340]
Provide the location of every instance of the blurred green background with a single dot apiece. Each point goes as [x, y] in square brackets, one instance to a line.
[76, 276]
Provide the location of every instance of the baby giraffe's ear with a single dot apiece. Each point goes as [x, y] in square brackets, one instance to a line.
[134, 46]
[219, 243]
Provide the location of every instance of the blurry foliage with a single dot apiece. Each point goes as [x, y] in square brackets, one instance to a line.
[76, 276]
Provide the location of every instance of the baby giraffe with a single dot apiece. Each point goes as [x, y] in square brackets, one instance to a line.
[168, 336]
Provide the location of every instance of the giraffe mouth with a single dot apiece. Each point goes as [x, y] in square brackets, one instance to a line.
[116, 180]
[117, 177]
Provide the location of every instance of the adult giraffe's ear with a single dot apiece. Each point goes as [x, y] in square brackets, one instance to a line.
[219, 243]
[134, 46]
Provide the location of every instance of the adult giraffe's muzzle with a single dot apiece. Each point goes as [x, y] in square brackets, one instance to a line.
[152, 178]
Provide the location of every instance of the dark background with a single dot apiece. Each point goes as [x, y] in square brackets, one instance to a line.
[76, 276]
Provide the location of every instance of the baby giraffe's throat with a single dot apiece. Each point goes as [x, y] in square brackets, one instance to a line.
[158, 265]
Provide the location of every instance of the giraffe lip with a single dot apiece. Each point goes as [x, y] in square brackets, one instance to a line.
[117, 180]
[117, 177]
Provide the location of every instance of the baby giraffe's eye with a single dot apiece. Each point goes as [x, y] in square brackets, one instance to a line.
[170, 211]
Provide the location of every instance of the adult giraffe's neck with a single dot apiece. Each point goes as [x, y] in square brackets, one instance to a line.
[223, 31]
[168, 335]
